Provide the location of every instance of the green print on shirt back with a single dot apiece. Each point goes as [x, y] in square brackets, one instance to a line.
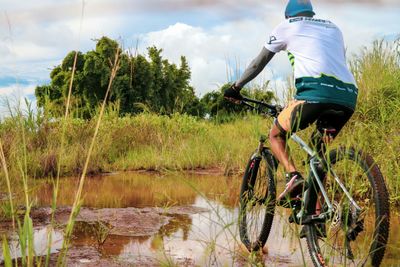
[326, 89]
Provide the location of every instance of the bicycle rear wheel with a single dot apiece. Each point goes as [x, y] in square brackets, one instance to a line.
[351, 238]
[257, 201]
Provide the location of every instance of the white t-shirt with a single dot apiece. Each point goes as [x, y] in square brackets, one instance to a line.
[317, 46]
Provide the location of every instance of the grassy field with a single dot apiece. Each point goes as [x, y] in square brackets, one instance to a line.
[35, 146]
[146, 141]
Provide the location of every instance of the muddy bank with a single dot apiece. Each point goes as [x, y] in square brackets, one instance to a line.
[120, 221]
[99, 230]
[89, 256]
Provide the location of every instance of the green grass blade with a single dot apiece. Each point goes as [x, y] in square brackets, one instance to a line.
[6, 253]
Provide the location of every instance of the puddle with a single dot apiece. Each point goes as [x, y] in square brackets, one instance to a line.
[40, 242]
[148, 220]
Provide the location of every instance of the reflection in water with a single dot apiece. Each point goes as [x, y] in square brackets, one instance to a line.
[208, 238]
[40, 241]
[177, 223]
[141, 190]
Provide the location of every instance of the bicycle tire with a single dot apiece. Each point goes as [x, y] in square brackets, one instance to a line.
[262, 180]
[381, 215]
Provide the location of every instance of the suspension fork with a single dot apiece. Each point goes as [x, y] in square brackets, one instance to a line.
[256, 159]
[258, 154]
[261, 143]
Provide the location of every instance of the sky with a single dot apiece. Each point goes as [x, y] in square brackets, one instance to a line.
[218, 37]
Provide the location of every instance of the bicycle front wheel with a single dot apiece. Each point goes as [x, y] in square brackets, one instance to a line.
[352, 238]
[257, 201]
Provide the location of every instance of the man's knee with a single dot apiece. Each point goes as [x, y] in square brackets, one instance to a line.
[276, 134]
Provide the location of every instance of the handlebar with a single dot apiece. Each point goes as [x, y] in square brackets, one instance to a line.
[262, 107]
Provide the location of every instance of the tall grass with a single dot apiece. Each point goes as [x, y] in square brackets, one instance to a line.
[146, 141]
[34, 145]
[78, 196]
[377, 71]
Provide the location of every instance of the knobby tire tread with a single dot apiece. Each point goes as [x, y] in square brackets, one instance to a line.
[270, 209]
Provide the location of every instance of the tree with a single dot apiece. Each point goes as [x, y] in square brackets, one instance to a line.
[155, 82]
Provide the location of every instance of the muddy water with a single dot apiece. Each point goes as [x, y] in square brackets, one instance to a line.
[176, 232]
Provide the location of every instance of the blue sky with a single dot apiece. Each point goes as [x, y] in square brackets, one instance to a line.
[219, 37]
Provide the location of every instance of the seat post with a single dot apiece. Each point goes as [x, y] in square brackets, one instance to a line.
[317, 142]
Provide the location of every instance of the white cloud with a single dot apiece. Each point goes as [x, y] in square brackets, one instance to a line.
[39, 36]
[17, 90]
[217, 54]
[367, 23]
[13, 97]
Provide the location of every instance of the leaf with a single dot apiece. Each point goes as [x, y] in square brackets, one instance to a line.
[6, 253]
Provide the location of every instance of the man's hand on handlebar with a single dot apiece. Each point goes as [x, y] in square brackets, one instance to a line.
[232, 94]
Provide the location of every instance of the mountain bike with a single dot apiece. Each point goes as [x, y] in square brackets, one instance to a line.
[344, 210]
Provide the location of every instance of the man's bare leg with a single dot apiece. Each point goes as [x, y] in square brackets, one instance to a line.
[295, 182]
[278, 147]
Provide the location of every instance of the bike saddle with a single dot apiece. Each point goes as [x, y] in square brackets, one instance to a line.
[324, 123]
[332, 112]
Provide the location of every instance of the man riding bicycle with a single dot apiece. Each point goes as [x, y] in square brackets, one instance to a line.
[323, 81]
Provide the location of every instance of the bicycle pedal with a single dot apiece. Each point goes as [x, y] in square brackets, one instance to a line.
[290, 204]
[291, 218]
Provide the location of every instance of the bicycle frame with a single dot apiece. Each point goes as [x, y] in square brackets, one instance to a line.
[319, 209]
[314, 162]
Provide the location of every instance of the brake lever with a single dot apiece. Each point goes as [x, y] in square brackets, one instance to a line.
[274, 112]
[247, 105]
[278, 109]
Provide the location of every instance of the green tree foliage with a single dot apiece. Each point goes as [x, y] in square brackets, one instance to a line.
[143, 82]
[156, 83]
[217, 106]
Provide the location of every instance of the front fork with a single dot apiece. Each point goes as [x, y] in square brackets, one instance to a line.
[255, 160]
[258, 153]
[260, 147]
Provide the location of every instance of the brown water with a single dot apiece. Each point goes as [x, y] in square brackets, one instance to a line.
[204, 238]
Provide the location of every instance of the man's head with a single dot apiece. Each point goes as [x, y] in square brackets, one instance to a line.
[297, 8]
